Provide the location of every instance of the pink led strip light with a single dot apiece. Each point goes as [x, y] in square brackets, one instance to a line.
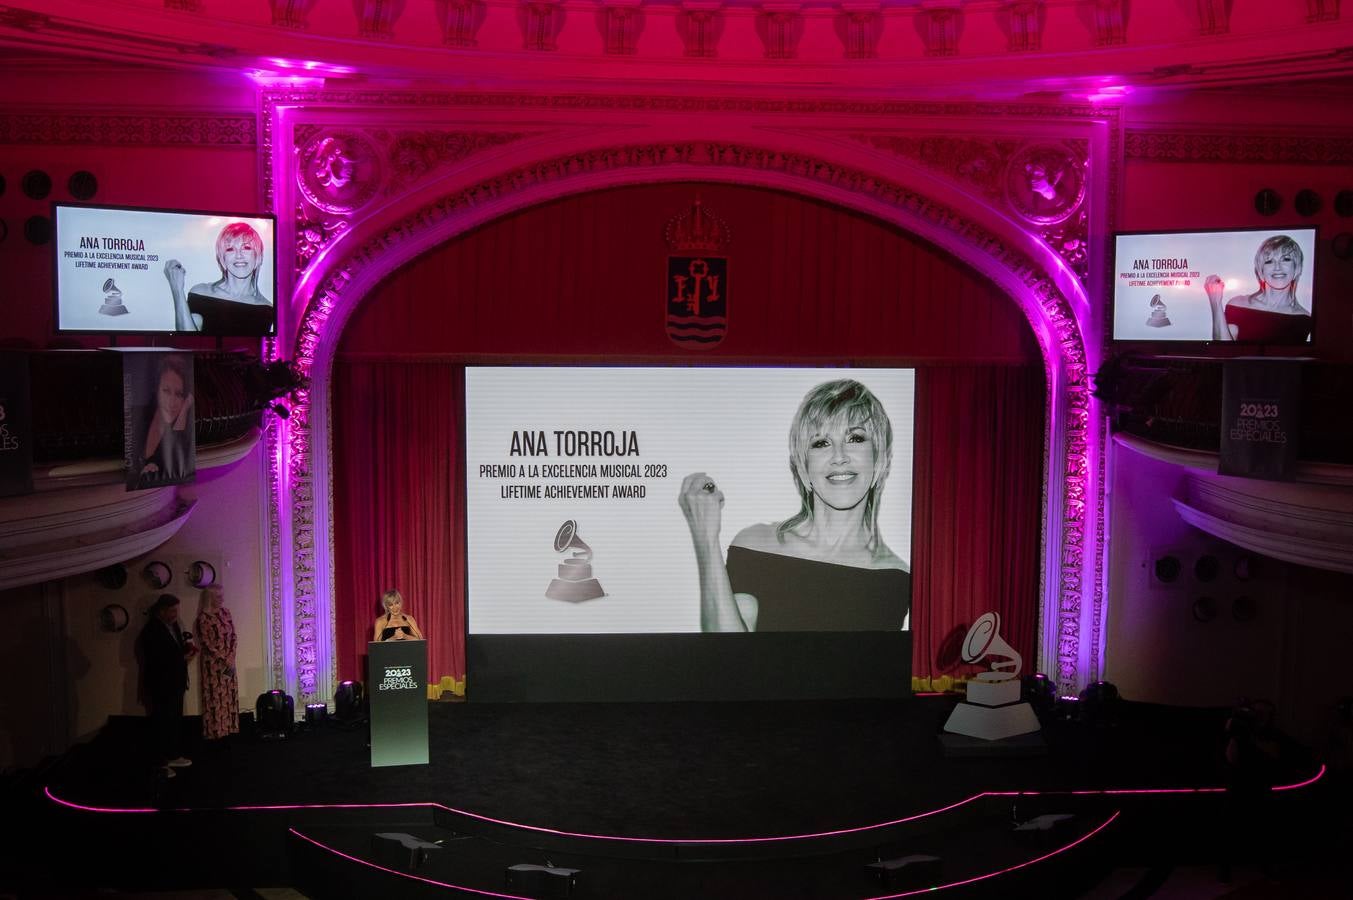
[668, 841]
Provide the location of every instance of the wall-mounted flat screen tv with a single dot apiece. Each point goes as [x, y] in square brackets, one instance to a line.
[126, 270]
[1250, 285]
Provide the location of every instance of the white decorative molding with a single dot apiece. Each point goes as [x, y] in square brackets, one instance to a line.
[1203, 461]
[1297, 523]
[81, 517]
[100, 528]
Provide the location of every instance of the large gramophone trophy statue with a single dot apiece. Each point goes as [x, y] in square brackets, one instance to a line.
[993, 710]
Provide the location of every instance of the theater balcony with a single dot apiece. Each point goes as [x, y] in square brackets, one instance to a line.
[80, 516]
[1168, 409]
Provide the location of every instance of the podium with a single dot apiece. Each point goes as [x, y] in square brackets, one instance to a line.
[398, 702]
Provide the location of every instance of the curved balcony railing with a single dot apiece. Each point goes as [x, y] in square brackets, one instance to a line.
[1177, 401]
[77, 402]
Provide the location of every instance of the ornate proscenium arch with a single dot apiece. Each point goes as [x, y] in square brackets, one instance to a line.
[301, 607]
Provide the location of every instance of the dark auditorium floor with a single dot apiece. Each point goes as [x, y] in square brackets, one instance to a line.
[675, 770]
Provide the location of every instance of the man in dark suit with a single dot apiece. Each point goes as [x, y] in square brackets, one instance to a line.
[165, 651]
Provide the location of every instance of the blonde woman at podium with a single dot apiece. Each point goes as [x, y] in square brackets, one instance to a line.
[395, 625]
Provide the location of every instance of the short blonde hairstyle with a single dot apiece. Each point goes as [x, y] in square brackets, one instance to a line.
[212, 592]
[390, 598]
[847, 402]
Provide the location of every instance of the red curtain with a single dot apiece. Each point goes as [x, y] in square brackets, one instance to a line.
[978, 485]
[398, 508]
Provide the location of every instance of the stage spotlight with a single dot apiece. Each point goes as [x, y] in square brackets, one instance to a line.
[542, 881]
[1099, 703]
[349, 702]
[275, 713]
[1039, 692]
[316, 714]
[914, 871]
[402, 852]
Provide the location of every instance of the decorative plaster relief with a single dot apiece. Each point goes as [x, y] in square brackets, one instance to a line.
[1109, 22]
[699, 25]
[461, 21]
[541, 21]
[620, 23]
[292, 13]
[1022, 22]
[1044, 184]
[940, 28]
[860, 27]
[1234, 147]
[376, 18]
[339, 170]
[780, 27]
[122, 130]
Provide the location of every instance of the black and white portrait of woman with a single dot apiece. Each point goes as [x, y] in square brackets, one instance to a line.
[826, 566]
[158, 400]
[232, 304]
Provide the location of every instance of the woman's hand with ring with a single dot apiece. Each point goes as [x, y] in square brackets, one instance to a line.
[1215, 289]
[702, 503]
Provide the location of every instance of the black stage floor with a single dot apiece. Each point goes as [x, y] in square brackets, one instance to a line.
[671, 800]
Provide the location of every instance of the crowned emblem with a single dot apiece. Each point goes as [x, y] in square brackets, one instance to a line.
[697, 278]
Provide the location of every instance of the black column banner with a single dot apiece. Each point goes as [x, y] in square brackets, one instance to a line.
[16, 426]
[1260, 417]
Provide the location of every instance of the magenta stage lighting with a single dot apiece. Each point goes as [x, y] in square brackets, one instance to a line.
[275, 713]
[1039, 692]
[349, 702]
[316, 714]
[1099, 704]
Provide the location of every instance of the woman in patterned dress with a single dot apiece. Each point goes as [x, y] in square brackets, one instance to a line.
[220, 688]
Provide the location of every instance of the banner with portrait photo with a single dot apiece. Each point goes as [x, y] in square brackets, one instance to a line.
[586, 489]
[1260, 417]
[1168, 285]
[16, 426]
[158, 421]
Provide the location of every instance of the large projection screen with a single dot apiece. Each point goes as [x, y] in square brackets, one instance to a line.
[578, 549]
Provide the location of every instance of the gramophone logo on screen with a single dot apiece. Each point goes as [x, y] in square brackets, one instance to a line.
[397, 678]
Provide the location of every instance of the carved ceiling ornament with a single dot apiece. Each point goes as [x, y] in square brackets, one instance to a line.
[292, 13]
[699, 25]
[780, 27]
[988, 164]
[1045, 183]
[339, 171]
[620, 23]
[859, 25]
[461, 21]
[408, 156]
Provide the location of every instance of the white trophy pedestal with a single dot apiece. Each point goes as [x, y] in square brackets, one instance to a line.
[992, 712]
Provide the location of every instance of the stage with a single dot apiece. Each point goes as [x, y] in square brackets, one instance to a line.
[711, 800]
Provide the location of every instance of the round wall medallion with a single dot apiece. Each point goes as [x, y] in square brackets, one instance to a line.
[1044, 183]
[339, 171]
